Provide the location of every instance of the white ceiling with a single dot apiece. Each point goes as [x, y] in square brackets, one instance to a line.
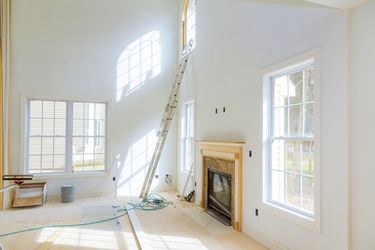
[341, 4]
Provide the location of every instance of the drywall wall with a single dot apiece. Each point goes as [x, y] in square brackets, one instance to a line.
[75, 50]
[235, 40]
[362, 123]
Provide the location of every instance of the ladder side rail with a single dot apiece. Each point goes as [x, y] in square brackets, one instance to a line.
[164, 127]
[157, 158]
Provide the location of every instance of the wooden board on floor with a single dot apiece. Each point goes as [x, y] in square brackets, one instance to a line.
[141, 236]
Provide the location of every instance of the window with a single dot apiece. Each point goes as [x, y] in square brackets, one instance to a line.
[189, 23]
[47, 137]
[65, 137]
[187, 136]
[290, 139]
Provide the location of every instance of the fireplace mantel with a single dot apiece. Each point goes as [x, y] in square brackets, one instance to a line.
[228, 151]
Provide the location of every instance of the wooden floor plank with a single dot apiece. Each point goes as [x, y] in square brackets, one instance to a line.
[141, 236]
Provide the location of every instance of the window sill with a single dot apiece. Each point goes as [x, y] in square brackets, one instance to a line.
[71, 175]
[310, 223]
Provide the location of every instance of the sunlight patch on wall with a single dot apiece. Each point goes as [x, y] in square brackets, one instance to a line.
[139, 62]
[133, 170]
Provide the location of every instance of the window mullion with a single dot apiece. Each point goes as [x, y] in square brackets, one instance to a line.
[303, 133]
[41, 139]
[28, 138]
[53, 137]
[69, 138]
[285, 174]
[271, 133]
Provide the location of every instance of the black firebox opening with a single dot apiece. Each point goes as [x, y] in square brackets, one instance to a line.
[219, 200]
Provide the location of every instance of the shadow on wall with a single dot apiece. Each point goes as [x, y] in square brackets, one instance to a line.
[139, 62]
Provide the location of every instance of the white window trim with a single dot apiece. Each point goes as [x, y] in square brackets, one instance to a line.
[24, 133]
[181, 137]
[312, 223]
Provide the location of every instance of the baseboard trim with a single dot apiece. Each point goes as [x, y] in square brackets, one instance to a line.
[262, 239]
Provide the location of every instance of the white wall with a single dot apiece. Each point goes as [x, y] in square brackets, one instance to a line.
[70, 49]
[362, 123]
[235, 40]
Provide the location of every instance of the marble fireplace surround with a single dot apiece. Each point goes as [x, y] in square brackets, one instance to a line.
[225, 157]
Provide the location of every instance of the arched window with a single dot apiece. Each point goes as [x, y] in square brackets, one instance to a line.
[189, 23]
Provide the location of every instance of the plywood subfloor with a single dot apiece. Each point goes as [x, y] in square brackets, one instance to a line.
[180, 226]
[185, 226]
[109, 235]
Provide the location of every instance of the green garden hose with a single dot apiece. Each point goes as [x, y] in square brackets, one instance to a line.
[151, 202]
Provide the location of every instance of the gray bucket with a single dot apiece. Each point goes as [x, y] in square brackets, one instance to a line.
[67, 193]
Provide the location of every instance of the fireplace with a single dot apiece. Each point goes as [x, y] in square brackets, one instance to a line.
[219, 200]
[221, 186]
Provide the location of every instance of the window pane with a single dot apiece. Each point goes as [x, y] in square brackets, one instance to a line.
[278, 186]
[280, 91]
[59, 146]
[48, 109]
[60, 127]
[309, 85]
[295, 88]
[278, 155]
[308, 194]
[47, 162]
[78, 162]
[78, 145]
[99, 145]
[47, 145]
[78, 127]
[295, 121]
[89, 127]
[280, 125]
[100, 112]
[36, 109]
[60, 110]
[89, 110]
[59, 161]
[35, 146]
[308, 158]
[48, 127]
[35, 127]
[99, 162]
[89, 159]
[100, 128]
[89, 145]
[34, 162]
[293, 156]
[309, 120]
[78, 111]
[294, 189]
